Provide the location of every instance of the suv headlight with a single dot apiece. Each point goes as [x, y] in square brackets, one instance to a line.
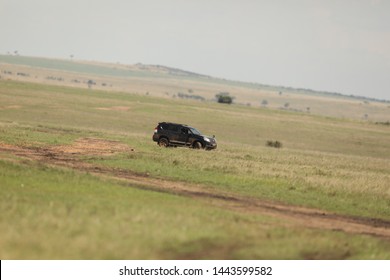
[206, 139]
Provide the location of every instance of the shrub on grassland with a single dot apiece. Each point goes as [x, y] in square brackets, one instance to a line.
[274, 144]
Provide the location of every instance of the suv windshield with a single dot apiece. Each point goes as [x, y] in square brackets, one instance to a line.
[194, 131]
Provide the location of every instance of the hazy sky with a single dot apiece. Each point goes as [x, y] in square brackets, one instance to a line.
[333, 45]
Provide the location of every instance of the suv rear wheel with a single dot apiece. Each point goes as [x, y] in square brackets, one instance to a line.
[163, 142]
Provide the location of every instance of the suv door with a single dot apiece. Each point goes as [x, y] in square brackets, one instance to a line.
[183, 136]
[178, 135]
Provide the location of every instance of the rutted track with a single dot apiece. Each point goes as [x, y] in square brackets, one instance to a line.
[68, 156]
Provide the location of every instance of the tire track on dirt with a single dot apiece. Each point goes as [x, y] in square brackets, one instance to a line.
[294, 215]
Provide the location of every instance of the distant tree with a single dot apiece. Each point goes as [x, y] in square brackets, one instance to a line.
[280, 93]
[90, 83]
[190, 91]
[308, 109]
[224, 97]
[286, 105]
[264, 102]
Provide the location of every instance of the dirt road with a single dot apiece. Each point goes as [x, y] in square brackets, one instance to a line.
[68, 156]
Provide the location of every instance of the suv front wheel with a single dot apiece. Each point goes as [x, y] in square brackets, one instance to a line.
[197, 145]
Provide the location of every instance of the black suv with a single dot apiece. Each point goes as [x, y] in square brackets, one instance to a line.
[173, 134]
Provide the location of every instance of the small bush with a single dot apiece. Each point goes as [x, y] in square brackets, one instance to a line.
[383, 123]
[274, 144]
[224, 97]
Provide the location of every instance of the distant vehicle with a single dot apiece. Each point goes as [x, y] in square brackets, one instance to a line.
[174, 135]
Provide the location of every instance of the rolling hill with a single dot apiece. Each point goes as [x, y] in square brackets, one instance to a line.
[162, 81]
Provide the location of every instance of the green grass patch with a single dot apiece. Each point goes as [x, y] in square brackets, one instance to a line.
[62, 214]
[14, 134]
[335, 185]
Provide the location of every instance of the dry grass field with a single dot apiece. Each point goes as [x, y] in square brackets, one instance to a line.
[80, 177]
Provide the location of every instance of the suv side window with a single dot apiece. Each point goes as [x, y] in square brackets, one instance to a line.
[173, 127]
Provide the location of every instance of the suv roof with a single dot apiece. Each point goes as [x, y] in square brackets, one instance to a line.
[174, 124]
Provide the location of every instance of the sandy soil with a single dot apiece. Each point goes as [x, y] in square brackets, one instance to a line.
[69, 156]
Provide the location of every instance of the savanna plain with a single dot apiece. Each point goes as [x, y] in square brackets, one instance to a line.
[80, 178]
